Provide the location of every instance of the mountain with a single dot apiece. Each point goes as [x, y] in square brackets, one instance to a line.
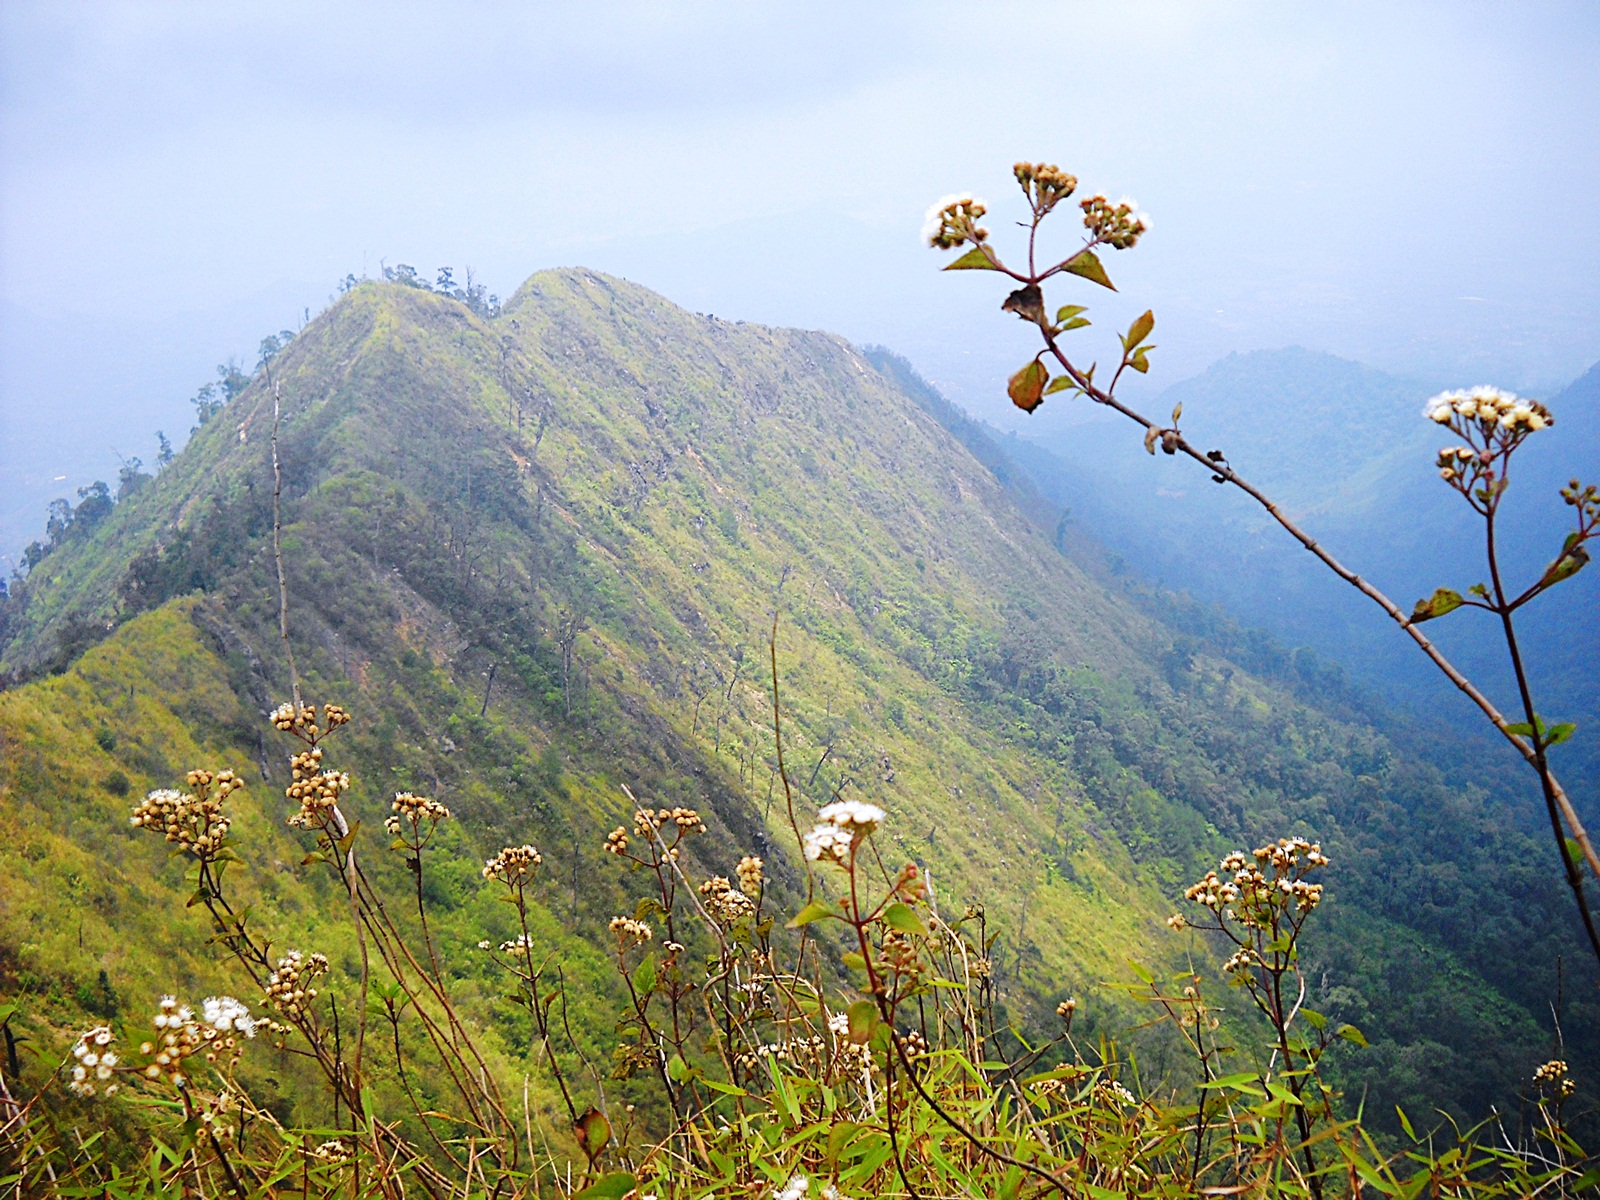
[1344, 448]
[539, 557]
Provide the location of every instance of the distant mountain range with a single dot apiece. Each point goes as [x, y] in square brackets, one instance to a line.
[1346, 451]
[539, 556]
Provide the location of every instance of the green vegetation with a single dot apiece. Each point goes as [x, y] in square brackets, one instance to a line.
[538, 556]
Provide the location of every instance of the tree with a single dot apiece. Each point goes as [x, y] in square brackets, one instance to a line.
[164, 453]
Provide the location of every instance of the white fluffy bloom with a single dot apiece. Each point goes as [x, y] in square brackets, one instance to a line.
[933, 220]
[225, 1015]
[828, 843]
[853, 815]
[795, 1189]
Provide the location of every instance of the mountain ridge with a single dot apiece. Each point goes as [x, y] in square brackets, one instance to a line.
[540, 556]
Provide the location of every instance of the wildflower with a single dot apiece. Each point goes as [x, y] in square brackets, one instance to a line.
[1116, 1093]
[1491, 408]
[630, 932]
[617, 841]
[1552, 1077]
[723, 902]
[914, 1044]
[95, 1064]
[193, 820]
[1066, 1008]
[750, 876]
[289, 987]
[413, 810]
[1118, 225]
[828, 843]
[1176, 921]
[514, 865]
[953, 220]
[225, 1015]
[795, 1189]
[1044, 184]
[316, 791]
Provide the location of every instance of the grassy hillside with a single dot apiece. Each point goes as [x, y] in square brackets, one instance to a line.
[539, 558]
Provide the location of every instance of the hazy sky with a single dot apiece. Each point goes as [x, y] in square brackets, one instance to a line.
[1413, 186]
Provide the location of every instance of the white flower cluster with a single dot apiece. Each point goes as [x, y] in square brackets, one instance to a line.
[1119, 225]
[844, 825]
[316, 791]
[1552, 1077]
[1113, 1093]
[285, 719]
[630, 933]
[724, 903]
[750, 875]
[1252, 888]
[1044, 184]
[413, 810]
[194, 820]
[289, 987]
[514, 865]
[1490, 407]
[96, 1062]
[953, 220]
[182, 1035]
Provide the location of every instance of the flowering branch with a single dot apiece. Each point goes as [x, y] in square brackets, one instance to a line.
[953, 222]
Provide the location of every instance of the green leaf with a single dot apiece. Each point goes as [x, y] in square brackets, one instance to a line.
[1560, 733]
[901, 918]
[593, 1132]
[1139, 330]
[815, 911]
[1244, 1081]
[1069, 311]
[1075, 323]
[608, 1187]
[1026, 387]
[863, 1017]
[1565, 567]
[727, 1089]
[976, 259]
[1521, 729]
[1318, 1021]
[853, 960]
[1140, 361]
[1060, 384]
[1086, 266]
[677, 1069]
[644, 976]
[1283, 1095]
[1351, 1034]
[1405, 1122]
[1442, 601]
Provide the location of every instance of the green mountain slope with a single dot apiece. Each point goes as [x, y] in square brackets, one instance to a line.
[539, 558]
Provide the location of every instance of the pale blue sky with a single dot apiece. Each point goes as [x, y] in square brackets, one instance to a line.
[1411, 185]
